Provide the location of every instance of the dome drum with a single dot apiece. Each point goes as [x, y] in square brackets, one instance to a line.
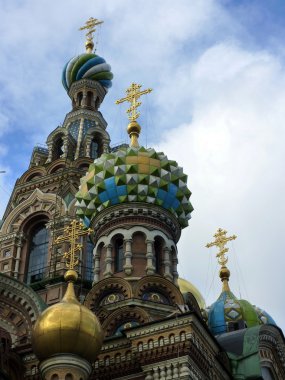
[129, 214]
[86, 93]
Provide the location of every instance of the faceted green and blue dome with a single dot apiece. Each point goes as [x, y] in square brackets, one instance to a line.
[134, 174]
[229, 313]
[87, 66]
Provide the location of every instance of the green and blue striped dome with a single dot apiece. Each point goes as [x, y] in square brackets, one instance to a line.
[134, 174]
[87, 66]
[229, 313]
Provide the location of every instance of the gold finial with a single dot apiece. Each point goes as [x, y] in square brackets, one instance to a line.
[71, 234]
[90, 26]
[133, 94]
[220, 241]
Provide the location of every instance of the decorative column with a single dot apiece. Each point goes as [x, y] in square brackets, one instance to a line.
[167, 264]
[108, 270]
[87, 147]
[105, 146]
[97, 267]
[79, 138]
[174, 271]
[150, 269]
[19, 245]
[84, 99]
[65, 147]
[128, 267]
[49, 152]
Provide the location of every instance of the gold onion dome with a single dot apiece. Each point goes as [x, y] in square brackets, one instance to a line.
[187, 287]
[67, 327]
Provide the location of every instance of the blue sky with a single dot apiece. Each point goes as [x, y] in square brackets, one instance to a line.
[218, 73]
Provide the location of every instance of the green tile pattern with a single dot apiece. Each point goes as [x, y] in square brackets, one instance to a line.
[134, 175]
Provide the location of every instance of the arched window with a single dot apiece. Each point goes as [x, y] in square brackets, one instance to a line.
[38, 251]
[161, 341]
[69, 376]
[150, 344]
[182, 336]
[171, 339]
[58, 148]
[119, 255]
[88, 270]
[94, 149]
[55, 376]
[79, 99]
[158, 255]
[89, 98]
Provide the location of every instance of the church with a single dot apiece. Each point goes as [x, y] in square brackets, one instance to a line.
[89, 287]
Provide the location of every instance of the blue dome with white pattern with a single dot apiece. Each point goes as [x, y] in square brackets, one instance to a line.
[87, 66]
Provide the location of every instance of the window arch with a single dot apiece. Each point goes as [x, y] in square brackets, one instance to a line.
[119, 255]
[58, 148]
[88, 262]
[68, 376]
[79, 99]
[158, 245]
[182, 336]
[89, 98]
[38, 252]
[94, 148]
[161, 341]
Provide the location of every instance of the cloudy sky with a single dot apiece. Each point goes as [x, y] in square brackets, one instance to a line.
[218, 73]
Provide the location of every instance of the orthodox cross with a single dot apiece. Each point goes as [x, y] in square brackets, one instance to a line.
[220, 241]
[71, 235]
[90, 26]
[133, 94]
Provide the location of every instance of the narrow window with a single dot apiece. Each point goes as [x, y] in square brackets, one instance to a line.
[58, 148]
[119, 255]
[38, 252]
[158, 256]
[88, 270]
[94, 147]
[89, 98]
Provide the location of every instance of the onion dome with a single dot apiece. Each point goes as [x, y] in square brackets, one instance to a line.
[187, 287]
[229, 313]
[134, 174]
[67, 327]
[87, 66]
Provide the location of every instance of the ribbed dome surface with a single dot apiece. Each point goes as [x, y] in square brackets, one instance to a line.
[134, 175]
[87, 66]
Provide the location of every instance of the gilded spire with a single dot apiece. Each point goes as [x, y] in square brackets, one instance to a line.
[133, 94]
[220, 241]
[90, 26]
[71, 235]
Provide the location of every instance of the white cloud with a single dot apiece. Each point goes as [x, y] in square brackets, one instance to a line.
[233, 152]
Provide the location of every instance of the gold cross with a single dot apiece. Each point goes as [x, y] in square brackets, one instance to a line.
[90, 26]
[220, 241]
[133, 94]
[71, 234]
